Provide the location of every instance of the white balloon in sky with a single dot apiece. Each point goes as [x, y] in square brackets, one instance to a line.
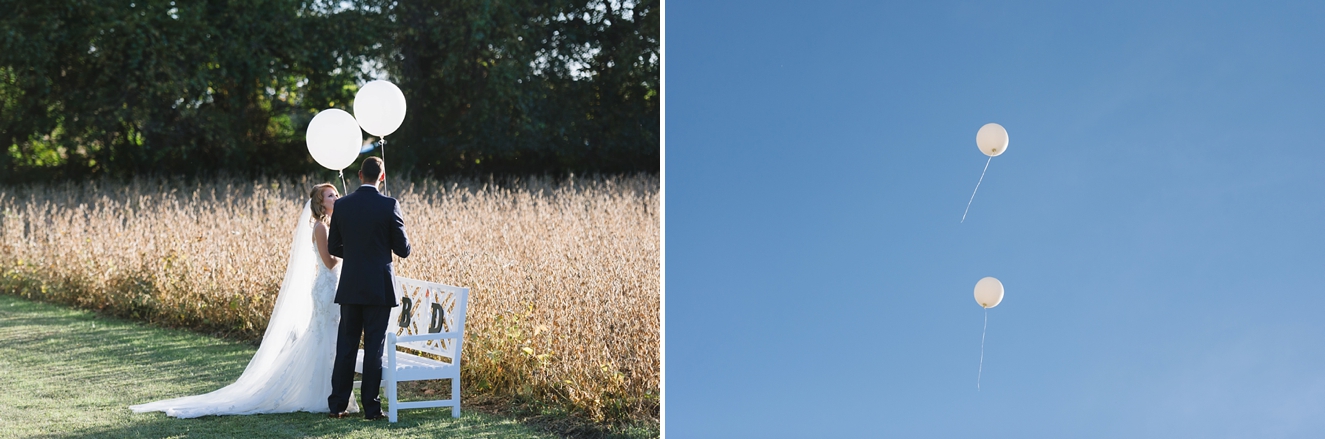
[380, 107]
[988, 292]
[992, 139]
[333, 139]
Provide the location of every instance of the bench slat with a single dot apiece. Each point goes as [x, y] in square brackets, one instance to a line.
[425, 404]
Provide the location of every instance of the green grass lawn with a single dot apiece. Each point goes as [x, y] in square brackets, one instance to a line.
[71, 373]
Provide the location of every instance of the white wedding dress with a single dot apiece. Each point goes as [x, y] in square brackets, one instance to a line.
[292, 369]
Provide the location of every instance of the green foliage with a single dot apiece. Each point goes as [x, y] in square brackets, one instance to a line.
[153, 86]
[125, 87]
[529, 86]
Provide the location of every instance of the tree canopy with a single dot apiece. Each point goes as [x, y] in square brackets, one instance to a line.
[126, 87]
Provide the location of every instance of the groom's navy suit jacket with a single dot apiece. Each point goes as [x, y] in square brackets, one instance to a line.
[366, 227]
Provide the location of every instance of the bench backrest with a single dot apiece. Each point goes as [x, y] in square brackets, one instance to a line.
[430, 308]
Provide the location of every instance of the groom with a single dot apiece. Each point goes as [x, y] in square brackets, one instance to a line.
[366, 227]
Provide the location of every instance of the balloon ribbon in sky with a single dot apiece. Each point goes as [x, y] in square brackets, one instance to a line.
[992, 140]
[988, 293]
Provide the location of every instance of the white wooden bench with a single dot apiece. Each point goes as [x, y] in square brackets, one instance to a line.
[430, 319]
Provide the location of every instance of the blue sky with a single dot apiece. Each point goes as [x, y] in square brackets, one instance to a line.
[1158, 219]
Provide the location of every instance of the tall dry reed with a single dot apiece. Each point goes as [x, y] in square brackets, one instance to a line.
[564, 274]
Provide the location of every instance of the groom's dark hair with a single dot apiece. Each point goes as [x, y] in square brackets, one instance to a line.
[371, 169]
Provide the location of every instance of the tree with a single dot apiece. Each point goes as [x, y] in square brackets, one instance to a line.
[94, 87]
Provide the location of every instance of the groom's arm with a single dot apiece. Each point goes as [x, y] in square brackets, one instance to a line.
[335, 245]
[399, 241]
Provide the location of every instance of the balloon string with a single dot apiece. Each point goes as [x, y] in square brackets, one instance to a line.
[383, 152]
[977, 188]
[981, 372]
[341, 173]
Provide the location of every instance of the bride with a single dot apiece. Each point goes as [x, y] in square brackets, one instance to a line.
[292, 369]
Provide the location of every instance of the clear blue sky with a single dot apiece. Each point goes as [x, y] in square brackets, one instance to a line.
[1158, 219]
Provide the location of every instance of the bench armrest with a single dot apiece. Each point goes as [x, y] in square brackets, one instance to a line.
[423, 337]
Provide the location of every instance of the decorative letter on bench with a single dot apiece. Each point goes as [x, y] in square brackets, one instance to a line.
[430, 319]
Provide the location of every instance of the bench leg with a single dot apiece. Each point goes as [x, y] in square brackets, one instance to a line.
[391, 397]
[455, 395]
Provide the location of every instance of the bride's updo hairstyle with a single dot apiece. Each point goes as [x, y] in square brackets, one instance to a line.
[315, 203]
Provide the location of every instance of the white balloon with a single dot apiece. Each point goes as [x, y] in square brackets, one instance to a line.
[334, 138]
[988, 292]
[992, 139]
[380, 107]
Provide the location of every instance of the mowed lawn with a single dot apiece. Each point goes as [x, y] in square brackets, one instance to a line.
[71, 373]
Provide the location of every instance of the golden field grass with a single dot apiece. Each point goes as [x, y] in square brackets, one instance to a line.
[564, 273]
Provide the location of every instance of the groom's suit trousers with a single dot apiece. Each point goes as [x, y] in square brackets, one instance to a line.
[369, 321]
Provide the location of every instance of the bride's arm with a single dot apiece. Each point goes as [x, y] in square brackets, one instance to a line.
[320, 237]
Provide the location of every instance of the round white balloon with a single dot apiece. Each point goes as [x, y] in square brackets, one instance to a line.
[333, 139]
[380, 107]
[992, 139]
[988, 292]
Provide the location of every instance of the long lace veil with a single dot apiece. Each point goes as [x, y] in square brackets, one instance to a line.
[291, 317]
